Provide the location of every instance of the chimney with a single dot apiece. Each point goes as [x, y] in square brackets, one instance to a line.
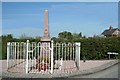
[110, 28]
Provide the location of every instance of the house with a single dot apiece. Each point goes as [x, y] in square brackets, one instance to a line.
[111, 32]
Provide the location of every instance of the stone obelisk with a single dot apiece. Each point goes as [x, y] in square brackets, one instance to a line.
[46, 36]
[45, 40]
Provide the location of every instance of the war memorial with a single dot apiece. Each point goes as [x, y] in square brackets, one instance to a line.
[46, 59]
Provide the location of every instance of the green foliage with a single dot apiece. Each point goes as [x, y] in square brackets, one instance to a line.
[97, 48]
[0, 50]
[9, 38]
[65, 36]
[92, 48]
[5, 39]
[77, 36]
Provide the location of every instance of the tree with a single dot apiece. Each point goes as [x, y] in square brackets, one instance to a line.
[9, 36]
[65, 36]
[80, 35]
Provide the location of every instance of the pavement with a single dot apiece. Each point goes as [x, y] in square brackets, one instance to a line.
[111, 72]
[88, 67]
[91, 67]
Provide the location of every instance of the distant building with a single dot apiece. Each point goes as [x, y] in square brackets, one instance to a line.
[111, 32]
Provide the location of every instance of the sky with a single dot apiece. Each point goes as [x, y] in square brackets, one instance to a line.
[90, 18]
[0, 18]
[60, 0]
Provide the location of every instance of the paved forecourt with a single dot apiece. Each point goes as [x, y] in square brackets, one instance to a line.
[85, 67]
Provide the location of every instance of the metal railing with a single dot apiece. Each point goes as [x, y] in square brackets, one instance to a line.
[43, 57]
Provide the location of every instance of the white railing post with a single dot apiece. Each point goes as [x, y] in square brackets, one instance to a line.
[27, 57]
[51, 56]
[15, 53]
[8, 54]
[77, 54]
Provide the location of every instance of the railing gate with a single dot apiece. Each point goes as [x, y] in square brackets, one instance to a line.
[39, 57]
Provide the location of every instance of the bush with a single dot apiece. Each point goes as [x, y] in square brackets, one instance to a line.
[92, 48]
[97, 48]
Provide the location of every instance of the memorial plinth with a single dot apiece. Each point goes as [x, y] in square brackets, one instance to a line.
[43, 39]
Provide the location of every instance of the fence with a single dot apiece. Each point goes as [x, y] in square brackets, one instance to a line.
[43, 57]
[16, 56]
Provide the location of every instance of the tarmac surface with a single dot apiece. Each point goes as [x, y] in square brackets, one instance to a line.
[111, 72]
[88, 67]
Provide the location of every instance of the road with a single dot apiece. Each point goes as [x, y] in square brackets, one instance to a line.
[111, 72]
